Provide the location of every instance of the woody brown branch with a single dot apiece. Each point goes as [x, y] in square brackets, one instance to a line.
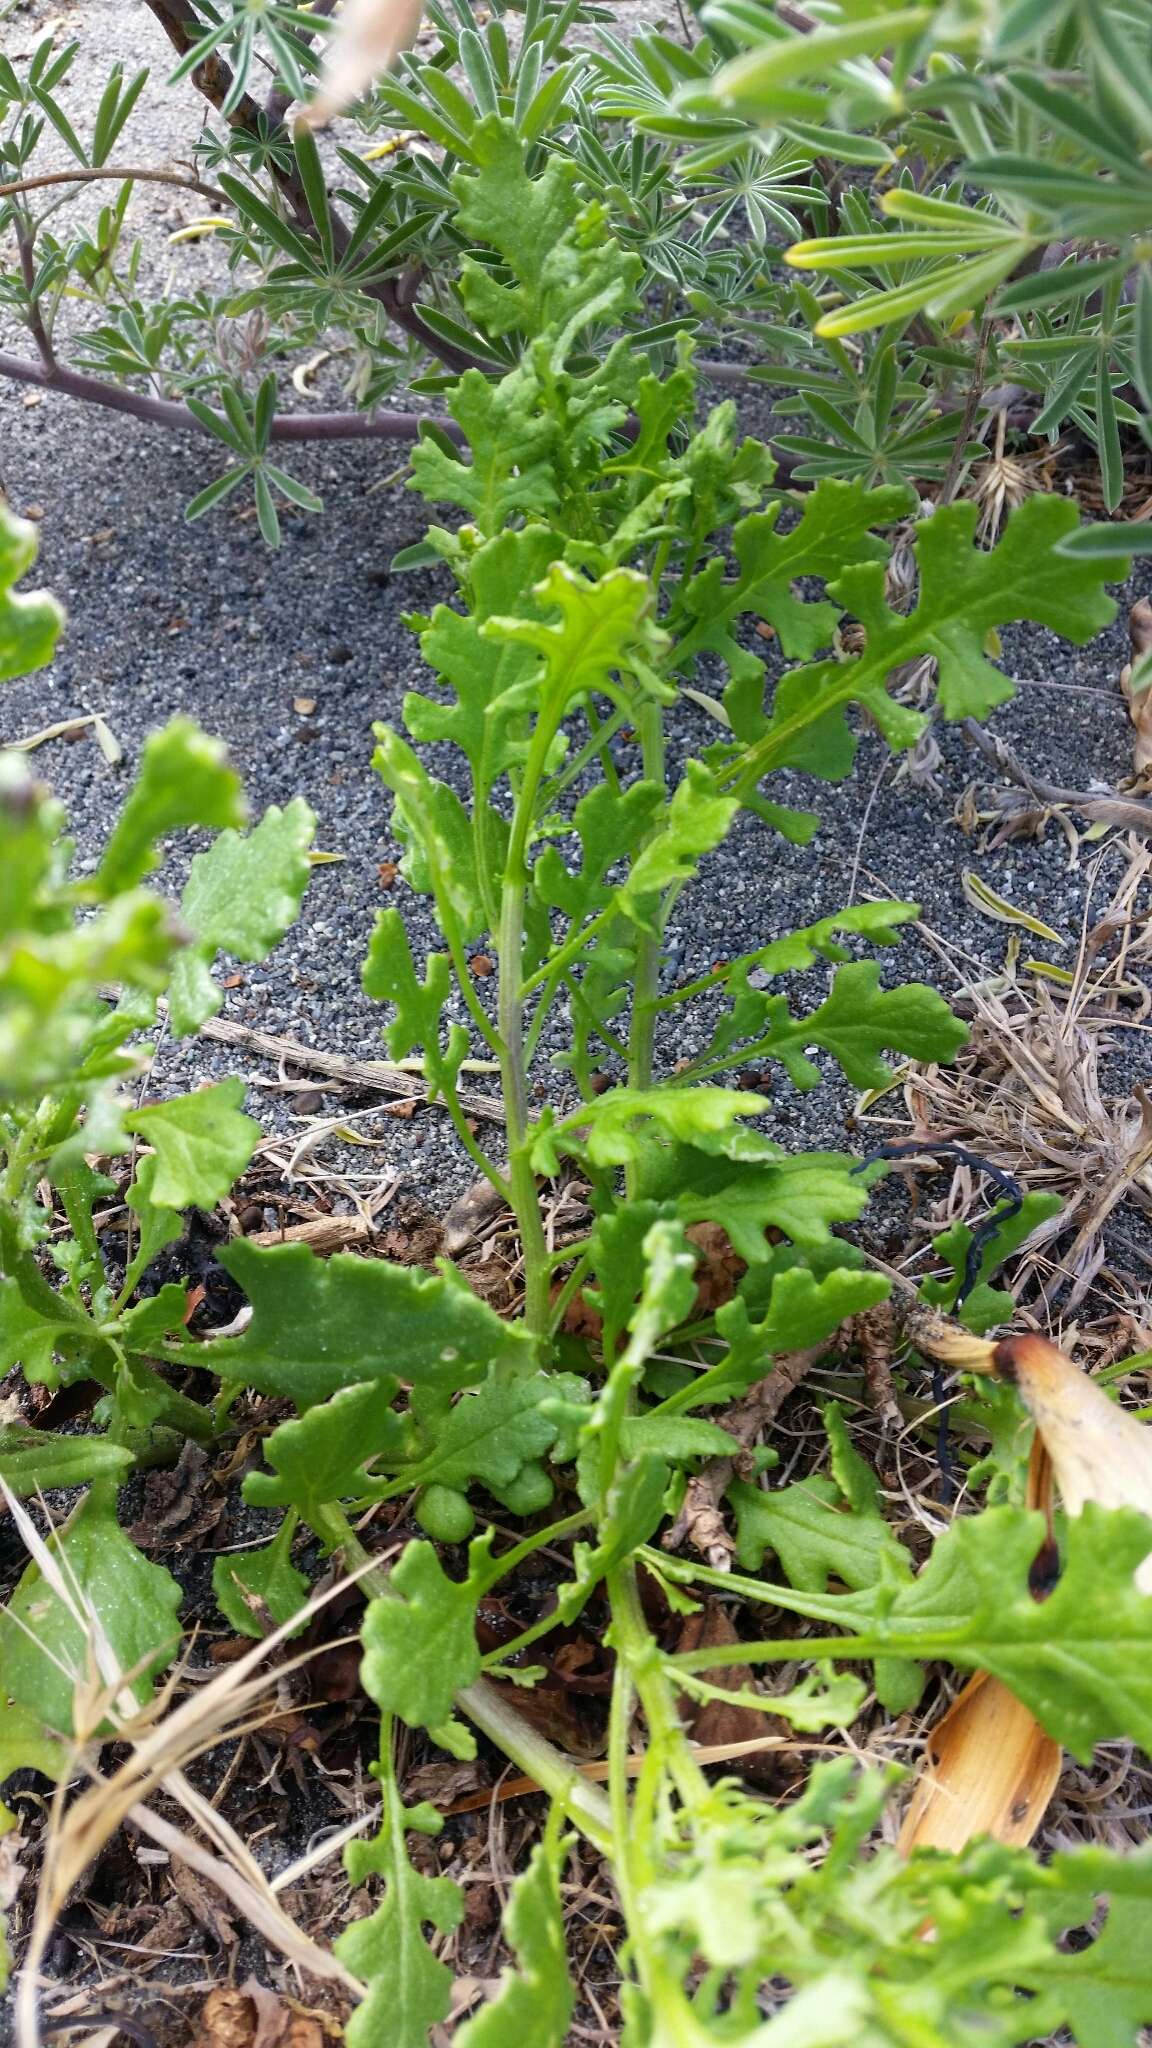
[213, 78]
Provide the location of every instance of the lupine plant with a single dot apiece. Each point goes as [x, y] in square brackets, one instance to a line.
[909, 221]
[607, 550]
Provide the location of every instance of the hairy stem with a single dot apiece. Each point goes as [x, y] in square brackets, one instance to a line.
[34, 318]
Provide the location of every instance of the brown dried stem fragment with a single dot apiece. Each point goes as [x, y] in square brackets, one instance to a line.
[700, 1521]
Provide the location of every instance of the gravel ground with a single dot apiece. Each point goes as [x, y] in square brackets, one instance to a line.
[204, 620]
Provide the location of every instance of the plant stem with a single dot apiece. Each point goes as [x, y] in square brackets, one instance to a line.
[522, 1180]
[34, 316]
[568, 1291]
[510, 1019]
[495, 1716]
[119, 173]
[650, 726]
[169, 412]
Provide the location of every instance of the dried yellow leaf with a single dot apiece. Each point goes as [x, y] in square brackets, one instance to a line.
[991, 1770]
[1098, 1452]
[986, 900]
[1136, 683]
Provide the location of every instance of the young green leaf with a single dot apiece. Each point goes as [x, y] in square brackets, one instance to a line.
[185, 779]
[534, 2002]
[510, 472]
[389, 976]
[409, 1987]
[240, 898]
[856, 1023]
[202, 1144]
[492, 1433]
[30, 621]
[420, 1645]
[109, 1594]
[835, 531]
[322, 1456]
[482, 672]
[259, 1590]
[34, 1461]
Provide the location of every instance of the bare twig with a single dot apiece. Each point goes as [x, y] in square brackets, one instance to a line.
[170, 413]
[1107, 807]
[141, 173]
[377, 1074]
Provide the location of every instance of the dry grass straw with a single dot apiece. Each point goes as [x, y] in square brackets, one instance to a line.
[1030, 1091]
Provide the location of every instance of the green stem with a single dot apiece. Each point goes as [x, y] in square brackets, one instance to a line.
[521, 1179]
[637, 1821]
[575, 1279]
[495, 1716]
[592, 748]
[929, 1645]
[647, 976]
[571, 950]
[510, 1018]
[476, 1152]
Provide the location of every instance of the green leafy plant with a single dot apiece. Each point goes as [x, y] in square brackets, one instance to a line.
[604, 547]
